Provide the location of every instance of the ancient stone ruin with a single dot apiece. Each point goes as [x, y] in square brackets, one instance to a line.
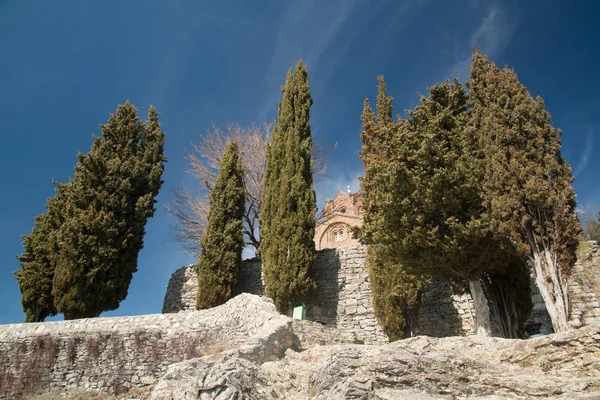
[340, 214]
[342, 300]
[343, 297]
[245, 349]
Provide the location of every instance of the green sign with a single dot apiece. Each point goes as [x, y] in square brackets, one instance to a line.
[299, 311]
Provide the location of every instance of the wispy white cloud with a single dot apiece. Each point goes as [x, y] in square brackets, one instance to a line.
[496, 29]
[493, 35]
[337, 180]
[300, 36]
[586, 153]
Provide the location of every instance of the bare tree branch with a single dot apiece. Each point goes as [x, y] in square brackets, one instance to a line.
[191, 209]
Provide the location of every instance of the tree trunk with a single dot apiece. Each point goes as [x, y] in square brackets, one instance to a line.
[37, 316]
[482, 322]
[552, 286]
[509, 300]
[411, 316]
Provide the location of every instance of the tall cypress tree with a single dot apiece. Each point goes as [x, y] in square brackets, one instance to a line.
[223, 240]
[396, 293]
[287, 223]
[107, 204]
[527, 192]
[36, 275]
[425, 209]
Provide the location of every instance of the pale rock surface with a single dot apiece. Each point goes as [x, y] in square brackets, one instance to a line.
[561, 366]
[235, 378]
[121, 355]
[258, 354]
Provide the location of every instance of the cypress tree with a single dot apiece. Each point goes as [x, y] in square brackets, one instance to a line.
[428, 211]
[287, 224]
[527, 192]
[36, 273]
[396, 293]
[434, 200]
[37, 265]
[223, 240]
[107, 204]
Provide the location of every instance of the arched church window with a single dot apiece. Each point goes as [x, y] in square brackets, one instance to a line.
[338, 235]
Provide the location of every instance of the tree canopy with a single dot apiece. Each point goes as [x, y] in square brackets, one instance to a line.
[223, 239]
[287, 221]
[396, 293]
[526, 183]
[425, 212]
[106, 206]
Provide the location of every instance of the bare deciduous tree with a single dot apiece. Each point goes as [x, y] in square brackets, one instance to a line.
[589, 215]
[190, 209]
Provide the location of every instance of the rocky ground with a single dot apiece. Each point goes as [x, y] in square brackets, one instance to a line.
[565, 366]
[318, 365]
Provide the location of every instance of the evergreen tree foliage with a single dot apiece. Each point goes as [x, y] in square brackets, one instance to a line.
[287, 224]
[36, 273]
[37, 266]
[424, 208]
[435, 200]
[223, 240]
[527, 193]
[107, 204]
[396, 293]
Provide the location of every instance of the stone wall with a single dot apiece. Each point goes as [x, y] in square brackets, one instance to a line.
[181, 290]
[539, 314]
[183, 286]
[584, 292]
[122, 354]
[444, 313]
[343, 297]
[584, 286]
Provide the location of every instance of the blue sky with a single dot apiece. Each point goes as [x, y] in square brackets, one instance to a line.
[66, 65]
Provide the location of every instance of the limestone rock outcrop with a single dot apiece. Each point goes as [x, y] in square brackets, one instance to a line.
[558, 366]
[257, 354]
[234, 378]
[561, 366]
[124, 354]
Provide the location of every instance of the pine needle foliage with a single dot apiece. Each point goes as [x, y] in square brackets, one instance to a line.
[107, 204]
[287, 223]
[223, 240]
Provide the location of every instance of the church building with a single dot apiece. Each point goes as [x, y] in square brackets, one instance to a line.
[340, 215]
